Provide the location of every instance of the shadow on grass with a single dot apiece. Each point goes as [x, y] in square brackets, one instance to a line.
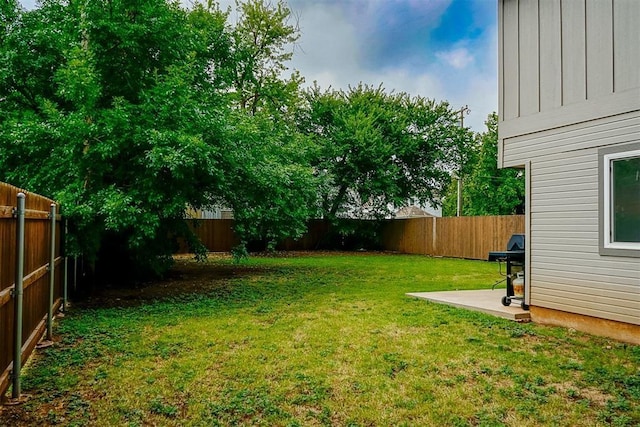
[188, 280]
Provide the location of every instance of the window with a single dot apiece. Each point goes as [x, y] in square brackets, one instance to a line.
[620, 201]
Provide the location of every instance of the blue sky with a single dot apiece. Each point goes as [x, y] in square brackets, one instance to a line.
[440, 49]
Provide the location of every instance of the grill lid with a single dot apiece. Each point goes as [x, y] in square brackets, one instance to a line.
[516, 242]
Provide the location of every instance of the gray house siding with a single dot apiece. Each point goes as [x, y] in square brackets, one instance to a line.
[618, 129]
[569, 85]
[567, 271]
[556, 53]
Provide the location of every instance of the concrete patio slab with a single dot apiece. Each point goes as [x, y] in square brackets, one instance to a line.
[484, 300]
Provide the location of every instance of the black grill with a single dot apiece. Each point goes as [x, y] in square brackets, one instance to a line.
[515, 250]
[513, 257]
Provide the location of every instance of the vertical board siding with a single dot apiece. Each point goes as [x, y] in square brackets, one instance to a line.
[599, 28]
[510, 57]
[561, 53]
[500, 69]
[574, 85]
[529, 62]
[36, 258]
[626, 33]
[550, 56]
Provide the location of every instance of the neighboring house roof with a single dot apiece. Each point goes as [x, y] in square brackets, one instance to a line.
[412, 212]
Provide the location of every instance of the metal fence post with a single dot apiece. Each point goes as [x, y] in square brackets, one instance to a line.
[66, 267]
[18, 293]
[52, 269]
[75, 273]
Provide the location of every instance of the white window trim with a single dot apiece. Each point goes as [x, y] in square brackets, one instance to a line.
[608, 171]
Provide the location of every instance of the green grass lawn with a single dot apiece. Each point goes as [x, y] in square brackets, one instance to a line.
[322, 340]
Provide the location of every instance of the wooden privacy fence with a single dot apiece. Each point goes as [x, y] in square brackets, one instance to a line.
[28, 284]
[457, 237]
[216, 234]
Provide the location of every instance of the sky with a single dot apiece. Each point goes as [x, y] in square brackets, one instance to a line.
[440, 49]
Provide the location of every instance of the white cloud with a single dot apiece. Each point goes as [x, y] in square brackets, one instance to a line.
[457, 58]
[330, 54]
[327, 47]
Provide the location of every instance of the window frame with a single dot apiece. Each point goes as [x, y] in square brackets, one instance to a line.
[605, 157]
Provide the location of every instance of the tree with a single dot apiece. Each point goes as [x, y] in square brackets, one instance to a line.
[277, 184]
[488, 190]
[262, 43]
[272, 189]
[8, 13]
[122, 111]
[375, 151]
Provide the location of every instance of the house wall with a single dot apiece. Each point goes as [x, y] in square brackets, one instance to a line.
[567, 271]
[565, 62]
[569, 86]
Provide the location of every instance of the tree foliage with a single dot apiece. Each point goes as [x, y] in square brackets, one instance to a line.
[128, 111]
[123, 111]
[376, 151]
[487, 190]
[262, 44]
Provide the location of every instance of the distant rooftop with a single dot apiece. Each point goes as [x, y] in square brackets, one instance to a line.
[412, 212]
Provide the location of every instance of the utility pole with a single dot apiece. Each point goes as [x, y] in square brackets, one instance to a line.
[459, 205]
[463, 110]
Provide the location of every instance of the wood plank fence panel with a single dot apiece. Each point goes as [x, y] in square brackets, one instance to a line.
[36, 281]
[317, 230]
[456, 237]
[475, 237]
[419, 232]
[215, 234]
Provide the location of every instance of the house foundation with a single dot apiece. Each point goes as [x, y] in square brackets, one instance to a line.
[620, 331]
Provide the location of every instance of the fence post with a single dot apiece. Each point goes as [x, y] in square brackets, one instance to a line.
[75, 273]
[18, 293]
[66, 266]
[52, 269]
